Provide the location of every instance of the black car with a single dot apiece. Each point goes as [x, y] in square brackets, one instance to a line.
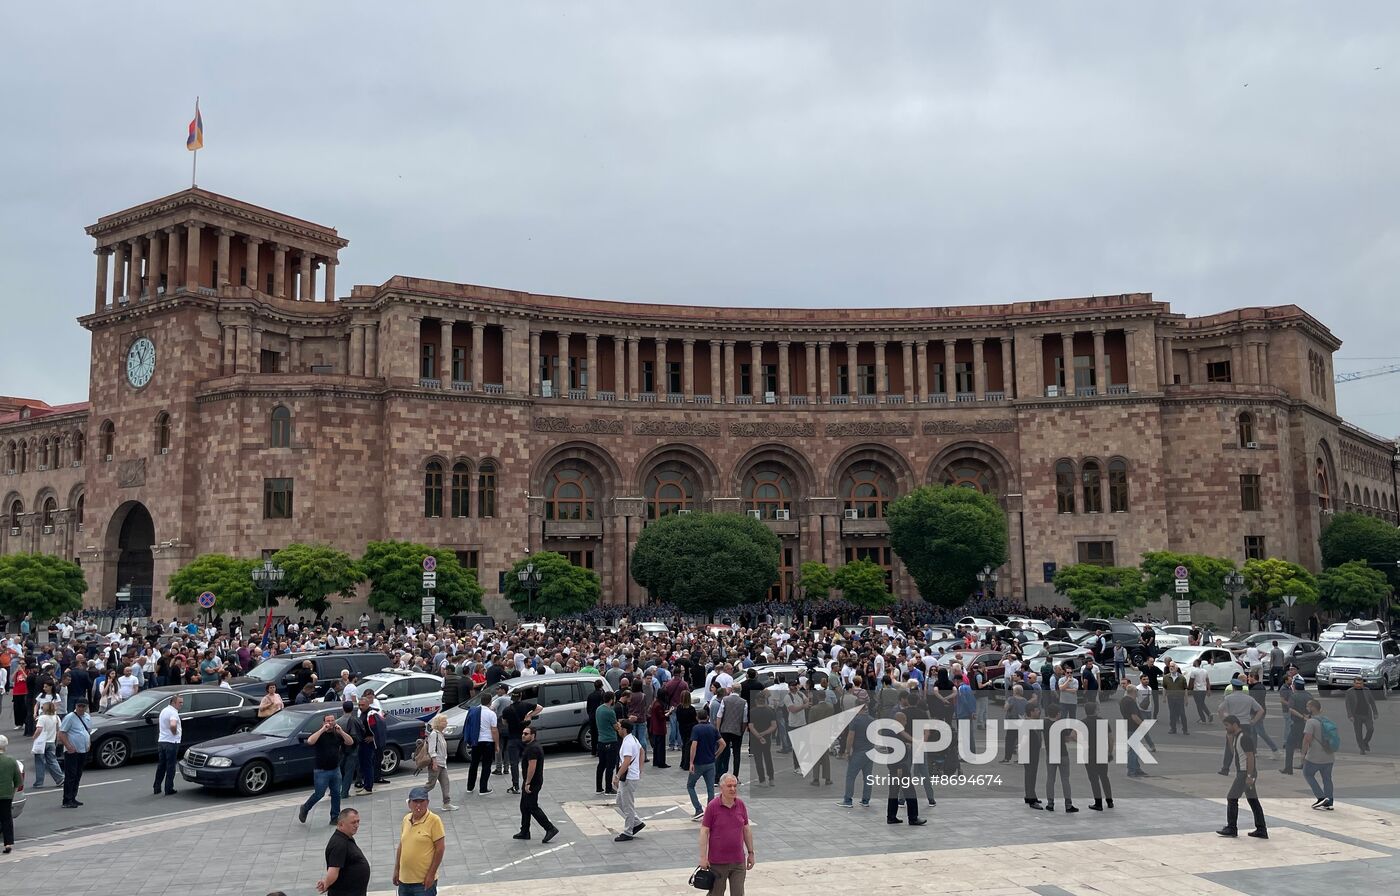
[276, 751]
[130, 729]
[327, 664]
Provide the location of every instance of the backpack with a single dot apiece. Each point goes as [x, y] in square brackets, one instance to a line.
[1331, 739]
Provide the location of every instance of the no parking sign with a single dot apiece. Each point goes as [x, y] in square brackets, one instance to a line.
[206, 600]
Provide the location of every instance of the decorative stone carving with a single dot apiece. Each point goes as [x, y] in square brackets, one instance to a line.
[870, 428]
[772, 430]
[590, 426]
[675, 428]
[131, 473]
[957, 427]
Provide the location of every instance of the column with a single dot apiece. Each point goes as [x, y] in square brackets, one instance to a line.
[561, 381]
[908, 371]
[852, 357]
[133, 271]
[619, 368]
[330, 279]
[1100, 362]
[155, 264]
[979, 377]
[1130, 347]
[173, 280]
[372, 349]
[1008, 386]
[304, 293]
[1165, 367]
[315, 266]
[294, 356]
[357, 350]
[242, 354]
[224, 279]
[1237, 369]
[634, 368]
[279, 270]
[1037, 378]
[118, 271]
[1263, 362]
[688, 369]
[251, 247]
[255, 350]
[445, 353]
[230, 349]
[1193, 373]
[811, 371]
[192, 230]
[824, 371]
[783, 385]
[661, 383]
[716, 373]
[534, 362]
[591, 340]
[478, 372]
[921, 362]
[729, 370]
[1067, 346]
[880, 370]
[950, 377]
[756, 370]
[100, 298]
[507, 358]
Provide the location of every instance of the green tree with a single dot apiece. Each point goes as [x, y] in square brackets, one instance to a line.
[395, 573]
[1207, 576]
[1269, 580]
[705, 561]
[40, 584]
[314, 572]
[564, 587]
[1355, 536]
[863, 582]
[230, 579]
[945, 535]
[1102, 590]
[1353, 590]
[815, 580]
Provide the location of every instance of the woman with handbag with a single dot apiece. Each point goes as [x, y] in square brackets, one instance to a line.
[437, 761]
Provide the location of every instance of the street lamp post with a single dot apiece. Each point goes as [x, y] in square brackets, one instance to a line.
[1234, 586]
[530, 579]
[987, 581]
[268, 578]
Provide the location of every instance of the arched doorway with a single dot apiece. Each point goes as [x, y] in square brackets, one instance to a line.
[136, 535]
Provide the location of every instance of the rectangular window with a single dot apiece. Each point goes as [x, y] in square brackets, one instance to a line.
[270, 362]
[962, 373]
[1099, 553]
[549, 369]
[1218, 372]
[459, 363]
[1084, 372]
[939, 381]
[865, 379]
[578, 373]
[269, 284]
[277, 499]
[648, 377]
[745, 380]
[582, 559]
[427, 363]
[843, 380]
[673, 379]
[242, 276]
[470, 560]
[770, 378]
[1251, 492]
[1254, 547]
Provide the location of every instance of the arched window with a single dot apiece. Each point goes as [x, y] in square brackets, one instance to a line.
[162, 433]
[461, 490]
[78, 509]
[432, 490]
[1324, 493]
[280, 428]
[1064, 487]
[867, 488]
[670, 487]
[23, 456]
[768, 489]
[486, 489]
[44, 453]
[50, 508]
[108, 439]
[1244, 424]
[1117, 486]
[79, 446]
[1092, 476]
[973, 474]
[12, 458]
[570, 493]
[16, 511]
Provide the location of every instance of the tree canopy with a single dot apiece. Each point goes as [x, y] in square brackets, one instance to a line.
[40, 584]
[315, 572]
[395, 573]
[945, 535]
[1353, 590]
[229, 578]
[1355, 536]
[1102, 590]
[815, 580]
[1207, 576]
[564, 587]
[705, 561]
[863, 582]
[1269, 580]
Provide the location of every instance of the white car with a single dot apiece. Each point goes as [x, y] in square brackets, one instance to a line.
[981, 623]
[1181, 631]
[1039, 626]
[1165, 639]
[405, 695]
[654, 628]
[1333, 632]
[1218, 661]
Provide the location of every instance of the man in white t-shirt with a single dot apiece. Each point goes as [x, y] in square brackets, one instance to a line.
[168, 745]
[628, 778]
[128, 684]
[488, 743]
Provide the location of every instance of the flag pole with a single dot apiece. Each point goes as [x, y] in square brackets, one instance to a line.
[194, 162]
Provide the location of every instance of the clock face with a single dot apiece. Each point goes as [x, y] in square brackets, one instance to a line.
[140, 362]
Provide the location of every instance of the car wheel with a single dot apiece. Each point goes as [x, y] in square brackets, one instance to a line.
[585, 738]
[113, 752]
[255, 778]
[389, 761]
[244, 728]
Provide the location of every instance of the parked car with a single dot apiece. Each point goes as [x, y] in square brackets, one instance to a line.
[1333, 632]
[770, 675]
[276, 751]
[1217, 661]
[406, 695]
[1370, 655]
[882, 624]
[564, 719]
[1262, 640]
[979, 622]
[1120, 631]
[1165, 639]
[654, 628]
[129, 730]
[327, 664]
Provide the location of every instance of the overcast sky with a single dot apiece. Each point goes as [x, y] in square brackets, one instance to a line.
[784, 154]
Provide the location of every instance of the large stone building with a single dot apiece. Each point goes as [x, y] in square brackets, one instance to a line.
[238, 403]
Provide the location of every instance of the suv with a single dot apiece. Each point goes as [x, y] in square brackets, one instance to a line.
[1120, 631]
[1365, 651]
[565, 716]
[405, 695]
[327, 664]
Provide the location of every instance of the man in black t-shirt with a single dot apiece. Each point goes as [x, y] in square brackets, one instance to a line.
[514, 719]
[533, 758]
[347, 869]
[328, 742]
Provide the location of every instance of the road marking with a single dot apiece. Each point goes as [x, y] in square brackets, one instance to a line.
[662, 812]
[80, 786]
[528, 858]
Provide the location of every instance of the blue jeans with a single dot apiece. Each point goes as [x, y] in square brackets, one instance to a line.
[1310, 773]
[47, 760]
[417, 890]
[1134, 763]
[167, 755]
[858, 769]
[325, 779]
[696, 773]
[673, 732]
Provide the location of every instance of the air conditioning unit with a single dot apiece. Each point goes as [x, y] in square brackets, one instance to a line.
[770, 398]
[109, 458]
[852, 513]
[1052, 391]
[1251, 445]
[756, 514]
[76, 464]
[782, 516]
[165, 451]
[14, 530]
[43, 467]
[684, 511]
[48, 530]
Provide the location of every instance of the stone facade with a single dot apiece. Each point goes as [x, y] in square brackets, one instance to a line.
[443, 413]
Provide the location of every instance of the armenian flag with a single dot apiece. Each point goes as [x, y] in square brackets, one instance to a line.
[195, 140]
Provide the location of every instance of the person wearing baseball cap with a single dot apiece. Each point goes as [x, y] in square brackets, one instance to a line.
[422, 842]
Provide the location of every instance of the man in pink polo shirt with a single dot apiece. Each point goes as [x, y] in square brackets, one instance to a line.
[726, 840]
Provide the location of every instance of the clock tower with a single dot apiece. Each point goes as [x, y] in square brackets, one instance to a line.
[184, 289]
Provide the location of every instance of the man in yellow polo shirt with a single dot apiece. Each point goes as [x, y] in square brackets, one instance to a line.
[422, 842]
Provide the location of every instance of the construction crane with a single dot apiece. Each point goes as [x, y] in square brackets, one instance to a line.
[1366, 374]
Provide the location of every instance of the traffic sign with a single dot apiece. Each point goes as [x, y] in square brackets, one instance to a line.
[429, 603]
[1183, 615]
[427, 618]
[1182, 586]
[429, 580]
[1183, 605]
[430, 563]
[206, 600]
[1290, 599]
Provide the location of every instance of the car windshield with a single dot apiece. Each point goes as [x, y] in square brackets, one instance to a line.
[269, 670]
[1181, 655]
[1367, 650]
[281, 724]
[137, 704]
